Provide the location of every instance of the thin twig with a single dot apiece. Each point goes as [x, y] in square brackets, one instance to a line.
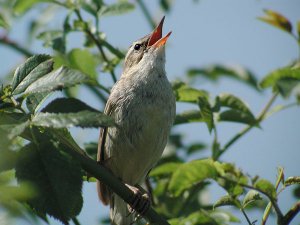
[289, 216]
[98, 44]
[4, 40]
[246, 216]
[245, 130]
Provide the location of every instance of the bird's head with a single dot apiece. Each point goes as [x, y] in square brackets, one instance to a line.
[147, 50]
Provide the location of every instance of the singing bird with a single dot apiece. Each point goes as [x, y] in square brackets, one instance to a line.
[142, 104]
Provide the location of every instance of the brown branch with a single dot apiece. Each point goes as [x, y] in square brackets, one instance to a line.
[4, 40]
[289, 216]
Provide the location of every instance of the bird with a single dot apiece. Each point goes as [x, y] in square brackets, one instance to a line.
[143, 106]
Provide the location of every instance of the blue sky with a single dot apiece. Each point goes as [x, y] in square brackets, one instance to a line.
[206, 33]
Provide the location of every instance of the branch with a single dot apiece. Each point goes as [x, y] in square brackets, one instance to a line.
[288, 217]
[102, 173]
[97, 42]
[4, 40]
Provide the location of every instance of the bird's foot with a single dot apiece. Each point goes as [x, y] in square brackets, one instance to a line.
[141, 202]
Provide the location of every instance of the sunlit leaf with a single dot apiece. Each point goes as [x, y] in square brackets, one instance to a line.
[267, 187]
[29, 66]
[164, 169]
[188, 116]
[191, 173]
[234, 102]
[56, 80]
[225, 200]
[184, 93]
[82, 119]
[250, 197]
[277, 20]
[215, 72]
[34, 101]
[3, 22]
[84, 61]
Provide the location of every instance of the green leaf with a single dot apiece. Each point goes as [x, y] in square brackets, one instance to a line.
[267, 187]
[21, 6]
[184, 93]
[225, 200]
[215, 72]
[82, 119]
[272, 78]
[231, 101]
[34, 101]
[195, 147]
[164, 169]
[26, 68]
[191, 173]
[233, 115]
[118, 8]
[188, 116]
[277, 20]
[67, 105]
[196, 218]
[206, 112]
[56, 80]
[57, 178]
[84, 61]
[286, 86]
[3, 22]
[18, 129]
[8, 159]
[250, 197]
[54, 39]
[292, 180]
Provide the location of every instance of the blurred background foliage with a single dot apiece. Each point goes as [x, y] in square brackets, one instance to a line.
[37, 175]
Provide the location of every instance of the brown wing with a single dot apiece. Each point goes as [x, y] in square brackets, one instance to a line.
[103, 191]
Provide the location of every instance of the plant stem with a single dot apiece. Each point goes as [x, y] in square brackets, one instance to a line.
[146, 13]
[98, 44]
[247, 218]
[75, 221]
[4, 40]
[245, 130]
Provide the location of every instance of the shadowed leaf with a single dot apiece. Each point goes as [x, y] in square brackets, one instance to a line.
[188, 116]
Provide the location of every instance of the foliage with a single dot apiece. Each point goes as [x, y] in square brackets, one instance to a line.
[35, 140]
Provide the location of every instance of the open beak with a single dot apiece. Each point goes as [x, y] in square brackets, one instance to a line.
[156, 39]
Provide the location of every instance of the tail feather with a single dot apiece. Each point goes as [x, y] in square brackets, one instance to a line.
[119, 212]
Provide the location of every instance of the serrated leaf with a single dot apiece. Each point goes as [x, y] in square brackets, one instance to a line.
[84, 119]
[56, 80]
[206, 112]
[57, 178]
[67, 105]
[164, 169]
[225, 200]
[250, 197]
[214, 72]
[191, 173]
[233, 115]
[231, 101]
[84, 61]
[267, 187]
[277, 20]
[292, 180]
[188, 116]
[184, 93]
[39, 71]
[24, 70]
[34, 101]
[118, 8]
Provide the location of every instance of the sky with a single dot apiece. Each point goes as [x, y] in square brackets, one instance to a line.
[206, 33]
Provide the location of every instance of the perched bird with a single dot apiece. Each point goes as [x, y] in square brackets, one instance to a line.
[143, 106]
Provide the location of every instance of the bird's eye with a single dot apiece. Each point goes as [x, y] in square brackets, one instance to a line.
[137, 47]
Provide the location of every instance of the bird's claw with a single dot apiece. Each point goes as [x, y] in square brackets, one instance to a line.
[140, 202]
